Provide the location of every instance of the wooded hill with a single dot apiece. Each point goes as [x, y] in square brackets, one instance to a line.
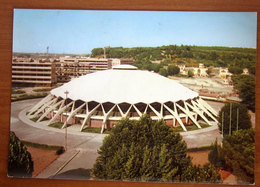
[184, 54]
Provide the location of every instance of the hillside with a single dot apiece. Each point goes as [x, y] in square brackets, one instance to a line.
[184, 54]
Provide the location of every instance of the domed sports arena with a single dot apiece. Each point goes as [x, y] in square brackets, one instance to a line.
[103, 98]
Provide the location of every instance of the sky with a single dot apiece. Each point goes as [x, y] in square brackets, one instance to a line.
[79, 31]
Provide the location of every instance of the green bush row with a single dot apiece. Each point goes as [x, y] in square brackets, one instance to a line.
[203, 148]
[26, 96]
[42, 89]
[18, 92]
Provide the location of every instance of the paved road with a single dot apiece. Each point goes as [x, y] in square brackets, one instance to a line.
[87, 143]
[82, 147]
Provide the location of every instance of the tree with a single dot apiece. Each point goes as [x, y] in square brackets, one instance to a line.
[146, 150]
[209, 71]
[97, 51]
[239, 151]
[20, 162]
[180, 62]
[245, 84]
[156, 67]
[202, 174]
[163, 72]
[190, 73]
[213, 55]
[215, 156]
[235, 70]
[173, 70]
[238, 112]
[252, 69]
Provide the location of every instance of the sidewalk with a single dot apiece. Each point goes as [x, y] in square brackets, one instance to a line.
[57, 165]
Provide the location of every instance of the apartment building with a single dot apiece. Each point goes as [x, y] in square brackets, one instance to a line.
[33, 71]
[47, 71]
[68, 68]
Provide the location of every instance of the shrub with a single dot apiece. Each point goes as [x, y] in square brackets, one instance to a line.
[190, 73]
[163, 72]
[20, 163]
[173, 70]
[215, 156]
[60, 151]
[239, 152]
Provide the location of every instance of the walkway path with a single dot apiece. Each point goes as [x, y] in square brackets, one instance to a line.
[82, 147]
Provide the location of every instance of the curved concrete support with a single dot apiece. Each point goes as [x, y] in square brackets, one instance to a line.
[105, 119]
[156, 112]
[88, 115]
[59, 112]
[204, 103]
[138, 111]
[194, 107]
[72, 114]
[49, 110]
[187, 112]
[176, 117]
[206, 111]
[39, 104]
[45, 106]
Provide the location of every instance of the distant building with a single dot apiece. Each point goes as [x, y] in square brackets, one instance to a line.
[68, 68]
[200, 71]
[245, 71]
[128, 61]
[125, 61]
[182, 69]
[115, 62]
[33, 71]
[224, 73]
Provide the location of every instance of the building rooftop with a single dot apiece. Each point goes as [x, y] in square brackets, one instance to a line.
[124, 84]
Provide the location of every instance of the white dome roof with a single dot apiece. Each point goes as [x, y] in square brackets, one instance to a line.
[130, 86]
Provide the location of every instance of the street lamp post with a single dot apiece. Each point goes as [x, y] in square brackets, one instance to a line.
[66, 93]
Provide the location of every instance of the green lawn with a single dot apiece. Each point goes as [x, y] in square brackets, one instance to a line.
[36, 118]
[95, 130]
[56, 125]
[190, 127]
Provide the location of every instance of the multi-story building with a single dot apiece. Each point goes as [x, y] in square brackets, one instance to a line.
[31, 71]
[45, 71]
[68, 68]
